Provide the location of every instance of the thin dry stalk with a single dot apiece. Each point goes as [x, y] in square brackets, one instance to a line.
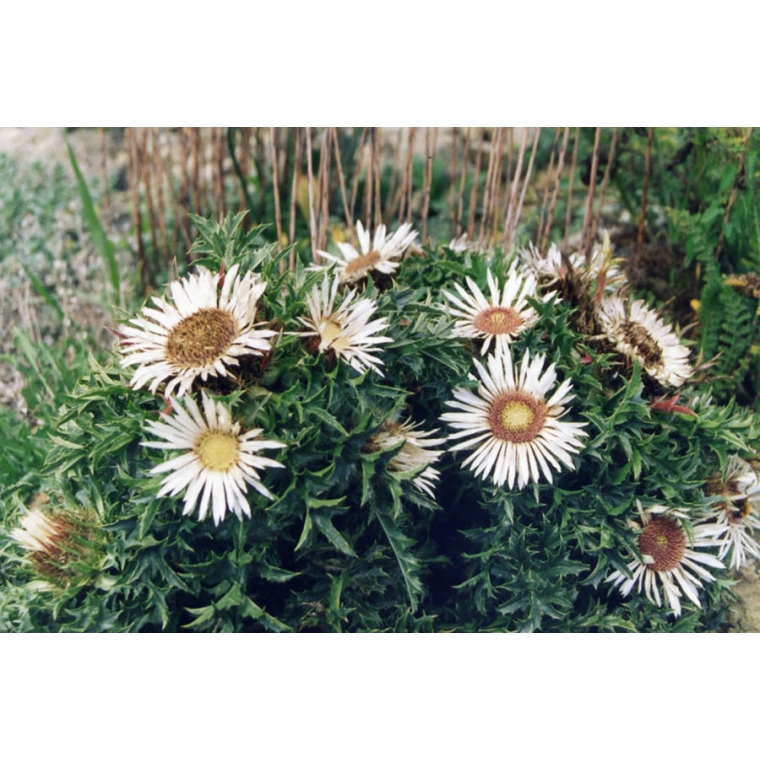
[312, 219]
[197, 145]
[605, 181]
[452, 180]
[644, 190]
[157, 172]
[184, 187]
[404, 194]
[430, 138]
[146, 174]
[245, 163]
[258, 161]
[357, 173]
[586, 240]
[276, 181]
[512, 203]
[367, 215]
[341, 178]
[219, 200]
[734, 194]
[293, 196]
[410, 173]
[475, 183]
[323, 190]
[393, 200]
[545, 198]
[134, 197]
[462, 178]
[377, 144]
[487, 188]
[557, 182]
[526, 182]
[496, 191]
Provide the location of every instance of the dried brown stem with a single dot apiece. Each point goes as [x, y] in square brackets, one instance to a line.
[474, 189]
[430, 138]
[526, 182]
[341, 179]
[569, 210]
[557, 182]
[605, 181]
[586, 240]
[276, 182]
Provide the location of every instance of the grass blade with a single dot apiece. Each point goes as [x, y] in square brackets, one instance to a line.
[103, 245]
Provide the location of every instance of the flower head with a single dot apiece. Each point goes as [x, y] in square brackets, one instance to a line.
[379, 254]
[347, 331]
[639, 333]
[517, 431]
[733, 516]
[502, 318]
[416, 451]
[58, 541]
[667, 559]
[218, 462]
[202, 333]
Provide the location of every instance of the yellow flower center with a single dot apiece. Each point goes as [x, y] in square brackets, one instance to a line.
[498, 320]
[200, 339]
[218, 451]
[359, 266]
[517, 416]
[331, 337]
[665, 541]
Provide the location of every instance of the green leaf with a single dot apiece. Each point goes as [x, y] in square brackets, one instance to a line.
[103, 245]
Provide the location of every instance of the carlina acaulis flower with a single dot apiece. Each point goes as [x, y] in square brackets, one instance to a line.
[638, 332]
[497, 321]
[733, 517]
[218, 463]
[380, 254]
[345, 332]
[668, 557]
[209, 326]
[516, 431]
[417, 451]
[61, 544]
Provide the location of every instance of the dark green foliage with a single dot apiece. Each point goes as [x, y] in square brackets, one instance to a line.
[348, 543]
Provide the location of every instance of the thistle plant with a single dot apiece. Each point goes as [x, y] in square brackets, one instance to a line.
[385, 448]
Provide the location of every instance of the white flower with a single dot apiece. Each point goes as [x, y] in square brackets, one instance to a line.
[218, 462]
[58, 542]
[200, 335]
[639, 333]
[516, 430]
[666, 558]
[415, 453]
[499, 320]
[40, 533]
[345, 331]
[552, 267]
[381, 254]
[733, 517]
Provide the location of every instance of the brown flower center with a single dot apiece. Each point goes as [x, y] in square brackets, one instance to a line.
[201, 338]
[517, 417]
[665, 541]
[359, 266]
[498, 320]
[645, 346]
